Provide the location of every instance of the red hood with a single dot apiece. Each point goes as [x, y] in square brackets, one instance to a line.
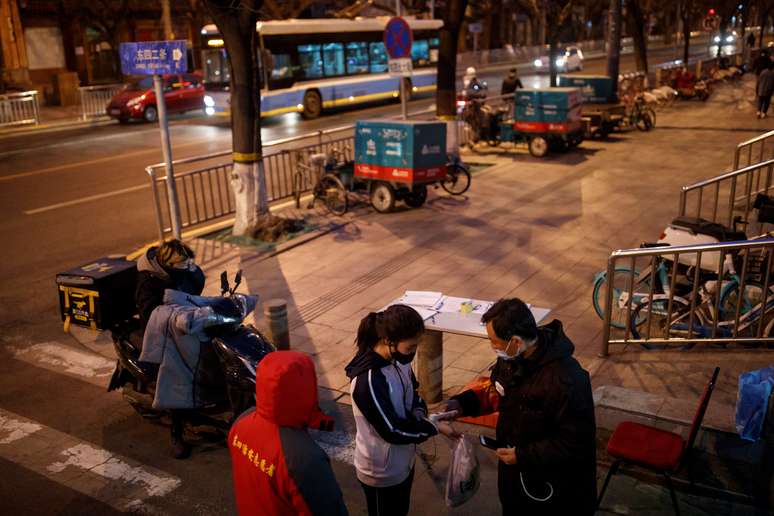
[286, 389]
[124, 96]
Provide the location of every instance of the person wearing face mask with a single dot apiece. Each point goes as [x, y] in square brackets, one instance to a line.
[390, 416]
[546, 415]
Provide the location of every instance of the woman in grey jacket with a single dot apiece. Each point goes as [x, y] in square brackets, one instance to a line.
[390, 416]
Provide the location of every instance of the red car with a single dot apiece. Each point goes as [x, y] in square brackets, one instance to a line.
[137, 99]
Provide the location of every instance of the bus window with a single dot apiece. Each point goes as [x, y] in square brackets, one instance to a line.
[420, 53]
[280, 66]
[310, 60]
[378, 58]
[333, 59]
[216, 69]
[357, 58]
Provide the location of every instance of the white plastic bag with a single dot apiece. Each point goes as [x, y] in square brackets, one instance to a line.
[463, 478]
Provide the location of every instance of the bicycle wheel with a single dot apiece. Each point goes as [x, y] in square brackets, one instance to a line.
[646, 119]
[620, 294]
[457, 180]
[333, 193]
[664, 326]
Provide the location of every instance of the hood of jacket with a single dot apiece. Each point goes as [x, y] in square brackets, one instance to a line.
[149, 263]
[286, 389]
[364, 362]
[553, 345]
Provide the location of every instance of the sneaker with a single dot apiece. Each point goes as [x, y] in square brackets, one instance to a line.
[179, 449]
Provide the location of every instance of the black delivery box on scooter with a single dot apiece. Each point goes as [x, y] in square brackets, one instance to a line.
[98, 294]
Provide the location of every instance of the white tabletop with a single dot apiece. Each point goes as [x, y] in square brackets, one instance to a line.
[464, 323]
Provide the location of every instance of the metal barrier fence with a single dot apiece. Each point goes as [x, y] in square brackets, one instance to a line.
[660, 299]
[19, 108]
[204, 192]
[755, 150]
[722, 198]
[94, 99]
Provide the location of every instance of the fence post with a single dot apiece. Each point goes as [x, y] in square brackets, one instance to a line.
[156, 202]
[276, 312]
[604, 347]
[430, 366]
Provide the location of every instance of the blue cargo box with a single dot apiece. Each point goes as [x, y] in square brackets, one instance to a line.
[595, 89]
[548, 105]
[394, 143]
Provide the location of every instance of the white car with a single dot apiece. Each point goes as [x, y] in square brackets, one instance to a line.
[570, 60]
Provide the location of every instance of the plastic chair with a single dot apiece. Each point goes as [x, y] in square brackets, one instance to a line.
[655, 449]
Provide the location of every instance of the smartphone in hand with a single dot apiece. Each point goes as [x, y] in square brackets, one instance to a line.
[490, 443]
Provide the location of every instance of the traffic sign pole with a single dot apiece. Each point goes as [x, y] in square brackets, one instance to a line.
[166, 149]
[403, 108]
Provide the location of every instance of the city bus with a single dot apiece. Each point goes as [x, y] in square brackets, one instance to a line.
[310, 65]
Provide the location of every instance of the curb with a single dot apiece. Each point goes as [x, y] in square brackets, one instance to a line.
[53, 128]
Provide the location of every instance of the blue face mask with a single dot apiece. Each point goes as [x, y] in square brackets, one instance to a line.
[503, 353]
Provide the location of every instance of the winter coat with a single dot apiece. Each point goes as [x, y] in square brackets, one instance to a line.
[189, 373]
[765, 85]
[547, 414]
[278, 468]
[762, 62]
[153, 280]
[390, 417]
[510, 85]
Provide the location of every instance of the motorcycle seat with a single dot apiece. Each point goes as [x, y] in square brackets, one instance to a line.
[706, 227]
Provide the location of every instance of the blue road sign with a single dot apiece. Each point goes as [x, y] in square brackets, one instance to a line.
[153, 57]
[398, 38]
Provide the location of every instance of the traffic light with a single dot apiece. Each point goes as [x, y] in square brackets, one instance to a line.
[712, 12]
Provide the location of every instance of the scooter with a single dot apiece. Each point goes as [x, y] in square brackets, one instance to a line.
[700, 90]
[229, 363]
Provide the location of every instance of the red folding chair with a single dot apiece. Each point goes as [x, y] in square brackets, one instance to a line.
[655, 449]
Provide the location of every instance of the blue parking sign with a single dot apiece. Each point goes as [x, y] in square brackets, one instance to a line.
[153, 57]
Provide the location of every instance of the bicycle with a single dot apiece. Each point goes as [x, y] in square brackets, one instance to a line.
[640, 115]
[320, 168]
[457, 180]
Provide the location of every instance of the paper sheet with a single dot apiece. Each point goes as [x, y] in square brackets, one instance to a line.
[421, 298]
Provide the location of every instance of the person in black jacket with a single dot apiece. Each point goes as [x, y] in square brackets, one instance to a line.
[168, 266]
[546, 422]
[511, 83]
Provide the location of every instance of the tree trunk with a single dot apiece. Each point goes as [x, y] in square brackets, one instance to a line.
[552, 56]
[637, 29]
[166, 20]
[614, 42]
[542, 27]
[686, 17]
[446, 93]
[237, 26]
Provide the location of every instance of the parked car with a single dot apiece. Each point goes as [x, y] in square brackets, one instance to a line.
[137, 100]
[567, 61]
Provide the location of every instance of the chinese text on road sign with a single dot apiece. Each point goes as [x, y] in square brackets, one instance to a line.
[154, 57]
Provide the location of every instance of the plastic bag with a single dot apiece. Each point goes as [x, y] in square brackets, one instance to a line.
[463, 478]
[753, 401]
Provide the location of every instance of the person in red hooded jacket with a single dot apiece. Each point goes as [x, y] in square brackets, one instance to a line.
[278, 468]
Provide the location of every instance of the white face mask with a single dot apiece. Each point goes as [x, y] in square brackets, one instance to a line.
[503, 353]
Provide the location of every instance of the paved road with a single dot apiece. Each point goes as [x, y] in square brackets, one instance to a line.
[66, 198]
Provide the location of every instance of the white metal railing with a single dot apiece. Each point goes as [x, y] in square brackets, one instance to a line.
[94, 99]
[19, 108]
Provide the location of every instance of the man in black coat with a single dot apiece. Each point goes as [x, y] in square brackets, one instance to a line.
[546, 423]
[511, 83]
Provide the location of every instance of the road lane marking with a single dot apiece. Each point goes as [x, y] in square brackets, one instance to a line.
[108, 477]
[83, 200]
[62, 359]
[76, 142]
[117, 157]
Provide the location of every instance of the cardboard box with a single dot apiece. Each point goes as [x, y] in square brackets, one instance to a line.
[400, 151]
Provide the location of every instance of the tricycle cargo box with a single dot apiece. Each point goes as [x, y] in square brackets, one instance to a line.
[548, 105]
[400, 151]
[595, 89]
[98, 294]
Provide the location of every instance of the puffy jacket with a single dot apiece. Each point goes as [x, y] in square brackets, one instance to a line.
[278, 468]
[390, 416]
[547, 414]
[765, 84]
[153, 280]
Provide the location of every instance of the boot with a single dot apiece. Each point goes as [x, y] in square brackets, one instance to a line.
[179, 449]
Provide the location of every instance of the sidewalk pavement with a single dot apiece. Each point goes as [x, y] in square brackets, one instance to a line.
[536, 229]
[55, 118]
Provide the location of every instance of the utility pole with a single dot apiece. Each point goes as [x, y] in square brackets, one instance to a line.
[614, 42]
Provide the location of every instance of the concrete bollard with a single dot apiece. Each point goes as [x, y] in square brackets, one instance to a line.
[276, 313]
[430, 366]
